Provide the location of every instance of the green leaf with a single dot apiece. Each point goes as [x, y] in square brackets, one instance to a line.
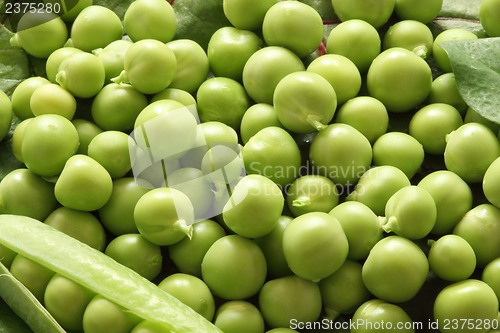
[98, 272]
[25, 305]
[477, 72]
[198, 20]
[14, 64]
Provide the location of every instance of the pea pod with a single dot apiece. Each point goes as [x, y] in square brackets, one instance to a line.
[99, 273]
[25, 304]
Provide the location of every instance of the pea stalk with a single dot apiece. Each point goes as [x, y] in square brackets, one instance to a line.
[99, 273]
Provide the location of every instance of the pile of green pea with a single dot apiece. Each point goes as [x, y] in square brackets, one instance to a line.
[276, 181]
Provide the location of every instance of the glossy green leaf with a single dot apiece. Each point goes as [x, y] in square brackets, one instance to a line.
[477, 72]
[99, 273]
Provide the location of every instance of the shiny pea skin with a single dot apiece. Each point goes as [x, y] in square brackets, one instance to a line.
[81, 225]
[314, 245]
[410, 212]
[270, 245]
[104, 316]
[239, 316]
[377, 185]
[66, 301]
[311, 193]
[480, 227]
[188, 254]
[273, 153]
[32, 275]
[395, 269]
[191, 291]
[117, 215]
[361, 227]
[6, 115]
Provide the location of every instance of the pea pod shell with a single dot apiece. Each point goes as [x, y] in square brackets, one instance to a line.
[99, 273]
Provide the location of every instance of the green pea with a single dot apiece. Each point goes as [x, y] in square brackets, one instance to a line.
[17, 139]
[257, 117]
[471, 142]
[341, 153]
[452, 258]
[342, 74]
[273, 153]
[48, 135]
[265, 68]
[111, 150]
[32, 275]
[239, 316]
[366, 114]
[52, 99]
[480, 227]
[395, 270]
[117, 215]
[311, 193]
[55, 59]
[149, 66]
[24, 193]
[287, 299]
[112, 57]
[137, 253]
[92, 180]
[82, 74]
[191, 291]
[377, 185]
[222, 99]
[40, 33]
[410, 212]
[234, 268]
[452, 196]
[188, 254]
[490, 275]
[66, 301]
[314, 245]
[379, 316]
[471, 299]
[491, 183]
[256, 194]
[95, 27]
[6, 115]
[356, 40]
[343, 291]
[150, 19]
[178, 95]
[22, 94]
[81, 225]
[192, 65]
[104, 316]
[400, 150]
[87, 130]
[472, 116]
[6, 256]
[271, 246]
[164, 216]
[304, 101]
[432, 123]
[444, 90]
[116, 106]
[361, 227]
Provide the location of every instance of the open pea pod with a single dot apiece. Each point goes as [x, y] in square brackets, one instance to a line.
[99, 273]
